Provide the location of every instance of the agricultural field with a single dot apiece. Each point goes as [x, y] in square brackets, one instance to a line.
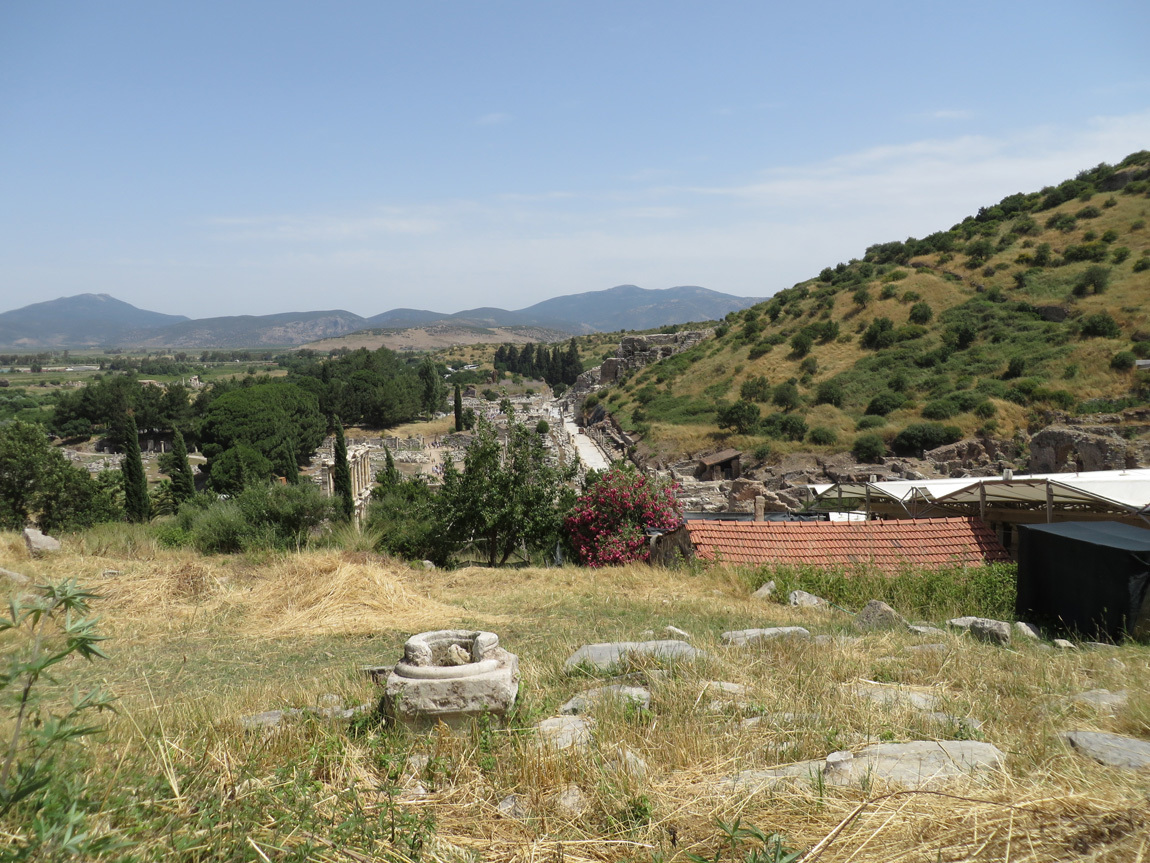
[197, 643]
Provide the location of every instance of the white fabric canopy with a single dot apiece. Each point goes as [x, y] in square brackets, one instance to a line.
[1127, 490]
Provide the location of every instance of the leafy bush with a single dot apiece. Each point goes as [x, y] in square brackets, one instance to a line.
[869, 422]
[880, 334]
[1086, 252]
[868, 447]
[1123, 361]
[829, 393]
[756, 389]
[607, 524]
[1100, 325]
[1120, 254]
[919, 437]
[1092, 280]
[921, 313]
[1141, 264]
[801, 344]
[885, 403]
[792, 427]
[823, 436]
[261, 516]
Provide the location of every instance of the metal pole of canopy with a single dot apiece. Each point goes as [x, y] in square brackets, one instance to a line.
[982, 501]
[1049, 502]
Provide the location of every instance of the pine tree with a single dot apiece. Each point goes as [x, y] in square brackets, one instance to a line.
[342, 479]
[458, 409]
[175, 464]
[572, 365]
[136, 504]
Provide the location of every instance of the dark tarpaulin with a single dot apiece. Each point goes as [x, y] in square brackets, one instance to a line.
[1089, 577]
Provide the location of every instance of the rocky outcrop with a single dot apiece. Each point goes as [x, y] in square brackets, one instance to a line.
[636, 352]
[633, 353]
[1063, 448]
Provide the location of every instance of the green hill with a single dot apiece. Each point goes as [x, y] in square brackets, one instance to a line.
[1041, 301]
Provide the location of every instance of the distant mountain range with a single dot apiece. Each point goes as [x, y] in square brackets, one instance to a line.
[101, 321]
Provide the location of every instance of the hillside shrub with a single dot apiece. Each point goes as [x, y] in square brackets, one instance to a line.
[885, 403]
[1141, 264]
[880, 334]
[607, 525]
[809, 366]
[921, 313]
[792, 427]
[868, 447]
[756, 389]
[801, 344]
[786, 396]
[1095, 251]
[1120, 254]
[830, 393]
[870, 422]
[1100, 325]
[1093, 279]
[919, 437]
[823, 436]
[1123, 361]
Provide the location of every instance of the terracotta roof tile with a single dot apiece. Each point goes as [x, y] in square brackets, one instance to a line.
[887, 545]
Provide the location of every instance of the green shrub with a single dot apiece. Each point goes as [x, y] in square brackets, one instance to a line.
[792, 427]
[880, 334]
[1088, 213]
[801, 344]
[919, 437]
[885, 403]
[1123, 361]
[985, 410]
[921, 313]
[888, 292]
[1141, 264]
[823, 436]
[1100, 325]
[829, 393]
[868, 447]
[870, 422]
[1120, 254]
[940, 409]
[756, 389]
[786, 396]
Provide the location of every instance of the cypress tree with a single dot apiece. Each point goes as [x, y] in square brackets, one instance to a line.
[342, 479]
[177, 467]
[458, 409]
[136, 503]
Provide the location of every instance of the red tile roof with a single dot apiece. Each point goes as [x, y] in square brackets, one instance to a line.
[888, 545]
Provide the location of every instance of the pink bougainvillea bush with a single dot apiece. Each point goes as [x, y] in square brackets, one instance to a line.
[607, 524]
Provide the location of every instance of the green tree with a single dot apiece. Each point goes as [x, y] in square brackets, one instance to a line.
[869, 447]
[741, 417]
[458, 409]
[37, 483]
[136, 504]
[276, 420]
[507, 496]
[404, 514]
[433, 388]
[238, 467]
[175, 465]
[341, 481]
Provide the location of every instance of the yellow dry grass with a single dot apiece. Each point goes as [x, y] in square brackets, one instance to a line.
[278, 632]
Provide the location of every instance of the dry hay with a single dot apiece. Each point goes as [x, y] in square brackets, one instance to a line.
[311, 593]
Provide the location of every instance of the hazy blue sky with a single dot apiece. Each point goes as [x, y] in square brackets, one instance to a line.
[207, 158]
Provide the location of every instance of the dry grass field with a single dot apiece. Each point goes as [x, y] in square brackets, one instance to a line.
[195, 643]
